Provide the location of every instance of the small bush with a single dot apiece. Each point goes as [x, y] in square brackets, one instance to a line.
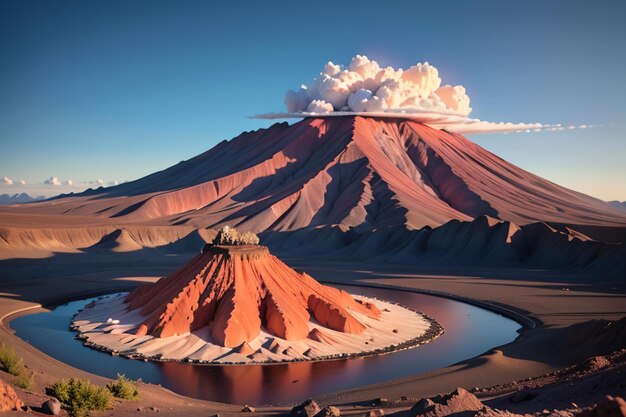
[13, 364]
[9, 361]
[230, 236]
[24, 380]
[80, 396]
[124, 388]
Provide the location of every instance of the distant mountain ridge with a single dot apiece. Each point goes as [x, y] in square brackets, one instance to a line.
[620, 205]
[18, 198]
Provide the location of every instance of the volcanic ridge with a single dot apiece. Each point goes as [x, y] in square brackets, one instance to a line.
[336, 185]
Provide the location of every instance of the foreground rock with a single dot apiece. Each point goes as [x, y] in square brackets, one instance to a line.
[592, 365]
[608, 407]
[461, 403]
[329, 411]
[52, 407]
[523, 395]
[9, 401]
[578, 386]
[456, 402]
[309, 408]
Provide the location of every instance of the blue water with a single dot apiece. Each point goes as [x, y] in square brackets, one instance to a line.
[469, 331]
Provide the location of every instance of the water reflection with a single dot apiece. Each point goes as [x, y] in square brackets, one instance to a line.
[469, 331]
[249, 384]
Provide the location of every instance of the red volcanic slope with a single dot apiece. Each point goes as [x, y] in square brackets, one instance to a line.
[237, 289]
[350, 171]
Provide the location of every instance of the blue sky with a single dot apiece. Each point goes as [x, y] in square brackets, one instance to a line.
[119, 89]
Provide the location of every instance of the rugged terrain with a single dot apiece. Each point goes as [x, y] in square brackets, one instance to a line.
[385, 190]
[354, 200]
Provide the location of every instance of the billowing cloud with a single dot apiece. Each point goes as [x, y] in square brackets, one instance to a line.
[455, 98]
[7, 181]
[22, 182]
[319, 106]
[365, 86]
[52, 181]
[297, 101]
[367, 89]
[69, 182]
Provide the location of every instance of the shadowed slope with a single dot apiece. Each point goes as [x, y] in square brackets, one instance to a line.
[477, 182]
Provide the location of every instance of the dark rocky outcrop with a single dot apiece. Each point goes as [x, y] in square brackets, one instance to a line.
[608, 407]
[459, 403]
[309, 408]
[51, 406]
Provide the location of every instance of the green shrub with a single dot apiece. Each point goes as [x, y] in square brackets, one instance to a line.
[124, 388]
[79, 396]
[9, 361]
[24, 380]
[13, 364]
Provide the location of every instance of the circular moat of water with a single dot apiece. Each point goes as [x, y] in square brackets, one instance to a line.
[469, 331]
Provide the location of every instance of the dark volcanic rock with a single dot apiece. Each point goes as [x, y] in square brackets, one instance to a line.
[524, 395]
[608, 407]
[593, 364]
[329, 411]
[459, 402]
[309, 408]
[52, 407]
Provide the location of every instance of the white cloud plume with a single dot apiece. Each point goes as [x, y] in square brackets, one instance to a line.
[455, 98]
[365, 86]
[22, 182]
[367, 89]
[7, 181]
[52, 181]
[319, 106]
[297, 101]
[445, 121]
